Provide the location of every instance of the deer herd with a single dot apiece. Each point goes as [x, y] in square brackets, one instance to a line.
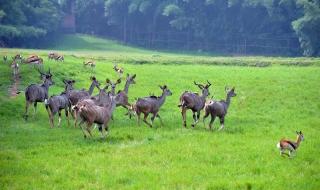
[98, 109]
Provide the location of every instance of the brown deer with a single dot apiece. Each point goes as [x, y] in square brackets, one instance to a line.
[55, 56]
[113, 85]
[219, 108]
[193, 101]
[91, 113]
[35, 93]
[122, 96]
[119, 70]
[290, 145]
[89, 63]
[151, 105]
[15, 68]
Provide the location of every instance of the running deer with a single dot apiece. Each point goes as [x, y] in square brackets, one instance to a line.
[122, 96]
[91, 113]
[119, 70]
[35, 93]
[193, 101]
[218, 108]
[57, 103]
[76, 95]
[291, 146]
[113, 85]
[151, 105]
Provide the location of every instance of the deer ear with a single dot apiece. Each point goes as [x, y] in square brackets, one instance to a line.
[165, 86]
[297, 132]
[73, 81]
[119, 81]
[134, 76]
[108, 81]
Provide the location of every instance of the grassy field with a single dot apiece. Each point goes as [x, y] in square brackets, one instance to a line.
[275, 98]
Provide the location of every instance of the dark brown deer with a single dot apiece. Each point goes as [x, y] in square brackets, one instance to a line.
[113, 85]
[151, 105]
[57, 103]
[219, 108]
[35, 93]
[122, 96]
[193, 101]
[91, 113]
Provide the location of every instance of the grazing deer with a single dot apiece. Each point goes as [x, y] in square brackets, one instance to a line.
[119, 70]
[89, 63]
[289, 145]
[122, 96]
[57, 103]
[151, 105]
[92, 113]
[219, 108]
[76, 95]
[193, 101]
[113, 85]
[35, 93]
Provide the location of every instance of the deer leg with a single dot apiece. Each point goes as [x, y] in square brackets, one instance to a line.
[83, 129]
[139, 119]
[59, 123]
[204, 118]
[194, 119]
[145, 119]
[213, 117]
[67, 116]
[75, 118]
[183, 113]
[152, 118]
[158, 116]
[34, 108]
[89, 125]
[222, 123]
[50, 117]
[26, 112]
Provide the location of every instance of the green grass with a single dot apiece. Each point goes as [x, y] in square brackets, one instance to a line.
[272, 102]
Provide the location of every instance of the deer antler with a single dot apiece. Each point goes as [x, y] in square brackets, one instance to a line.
[209, 84]
[199, 85]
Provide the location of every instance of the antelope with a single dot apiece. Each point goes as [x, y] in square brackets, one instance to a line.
[219, 108]
[15, 67]
[35, 93]
[289, 145]
[193, 101]
[122, 96]
[76, 95]
[34, 59]
[92, 113]
[89, 63]
[119, 70]
[151, 105]
[113, 85]
[57, 103]
[55, 56]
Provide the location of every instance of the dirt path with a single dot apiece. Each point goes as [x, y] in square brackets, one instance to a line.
[13, 89]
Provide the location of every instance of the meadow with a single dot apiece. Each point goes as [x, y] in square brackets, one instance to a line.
[275, 97]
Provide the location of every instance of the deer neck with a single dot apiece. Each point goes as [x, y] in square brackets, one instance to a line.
[126, 87]
[228, 100]
[45, 85]
[203, 98]
[298, 141]
[91, 88]
[162, 99]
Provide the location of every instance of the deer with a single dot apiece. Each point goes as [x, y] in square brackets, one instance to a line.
[55, 56]
[76, 95]
[193, 101]
[91, 113]
[57, 103]
[122, 95]
[15, 67]
[113, 85]
[219, 108]
[17, 57]
[119, 70]
[291, 146]
[5, 58]
[151, 105]
[35, 93]
[34, 60]
[89, 63]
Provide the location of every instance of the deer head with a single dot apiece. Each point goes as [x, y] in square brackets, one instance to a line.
[113, 84]
[204, 88]
[230, 92]
[165, 90]
[46, 76]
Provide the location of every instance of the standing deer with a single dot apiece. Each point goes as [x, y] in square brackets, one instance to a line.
[122, 96]
[219, 108]
[92, 113]
[193, 101]
[15, 67]
[5, 58]
[289, 145]
[151, 105]
[57, 103]
[119, 70]
[113, 85]
[35, 93]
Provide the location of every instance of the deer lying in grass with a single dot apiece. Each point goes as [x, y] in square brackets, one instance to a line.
[91, 113]
[151, 105]
[55, 56]
[76, 95]
[34, 60]
[193, 101]
[291, 146]
[35, 93]
[57, 103]
[218, 108]
[89, 63]
[122, 96]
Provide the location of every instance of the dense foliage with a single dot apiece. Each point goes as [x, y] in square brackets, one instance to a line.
[289, 27]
